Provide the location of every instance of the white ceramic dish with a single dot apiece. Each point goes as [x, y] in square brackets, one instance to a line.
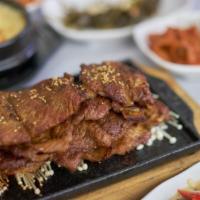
[167, 189]
[54, 11]
[159, 25]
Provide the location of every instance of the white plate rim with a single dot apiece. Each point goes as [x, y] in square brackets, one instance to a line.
[165, 21]
[177, 182]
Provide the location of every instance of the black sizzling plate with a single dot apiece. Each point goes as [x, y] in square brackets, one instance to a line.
[65, 185]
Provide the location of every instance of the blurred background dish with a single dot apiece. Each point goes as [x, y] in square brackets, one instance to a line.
[183, 22]
[30, 5]
[33, 9]
[177, 45]
[28, 2]
[8, 26]
[94, 20]
[17, 42]
[104, 16]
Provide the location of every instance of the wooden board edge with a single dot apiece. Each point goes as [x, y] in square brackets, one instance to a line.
[165, 76]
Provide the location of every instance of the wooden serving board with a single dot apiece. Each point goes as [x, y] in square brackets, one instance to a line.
[136, 187]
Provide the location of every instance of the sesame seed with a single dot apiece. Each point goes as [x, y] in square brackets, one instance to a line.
[42, 98]
[48, 88]
[34, 96]
[13, 95]
[2, 118]
[106, 74]
[33, 91]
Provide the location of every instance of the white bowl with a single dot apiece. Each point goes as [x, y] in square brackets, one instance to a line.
[142, 31]
[54, 11]
[168, 189]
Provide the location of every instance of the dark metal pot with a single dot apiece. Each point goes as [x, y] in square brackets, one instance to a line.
[17, 51]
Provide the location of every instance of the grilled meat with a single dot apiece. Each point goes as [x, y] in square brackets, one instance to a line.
[133, 113]
[11, 165]
[93, 109]
[117, 82]
[12, 132]
[47, 104]
[111, 135]
[110, 112]
[27, 114]
[90, 135]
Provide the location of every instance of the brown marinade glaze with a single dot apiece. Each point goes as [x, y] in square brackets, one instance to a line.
[110, 112]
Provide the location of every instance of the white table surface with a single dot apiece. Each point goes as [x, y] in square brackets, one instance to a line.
[71, 54]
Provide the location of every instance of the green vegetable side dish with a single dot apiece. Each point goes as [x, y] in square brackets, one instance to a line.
[102, 16]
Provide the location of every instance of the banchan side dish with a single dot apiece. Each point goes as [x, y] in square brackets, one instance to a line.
[12, 22]
[17, 43]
